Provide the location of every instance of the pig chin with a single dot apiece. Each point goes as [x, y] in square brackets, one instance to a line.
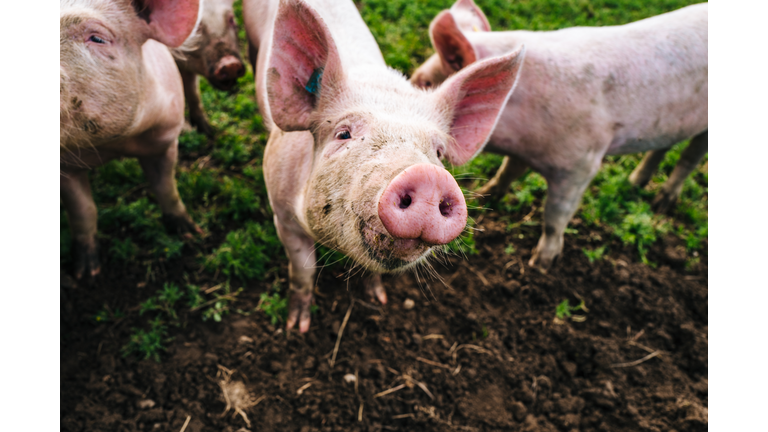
[389, 253]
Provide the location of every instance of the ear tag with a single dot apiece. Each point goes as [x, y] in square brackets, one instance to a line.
[313, 85]
[474, 27]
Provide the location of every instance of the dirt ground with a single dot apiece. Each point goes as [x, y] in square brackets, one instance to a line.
[481, 351]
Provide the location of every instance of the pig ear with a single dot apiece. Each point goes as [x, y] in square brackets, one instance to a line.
[469, 17]
[302, 63]
[451, 45]
[475, 97]
[169, 21]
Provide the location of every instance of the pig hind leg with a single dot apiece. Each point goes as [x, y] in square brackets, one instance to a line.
[160, 171]
[563, 197]
[689, 159]
[511, 168]
[300, 249]
[643, 173]
[197, 116]
[82, 215]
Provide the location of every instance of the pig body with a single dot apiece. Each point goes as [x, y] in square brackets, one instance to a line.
[585, 93]
[121, 95]
[354, 154]
[215, 54]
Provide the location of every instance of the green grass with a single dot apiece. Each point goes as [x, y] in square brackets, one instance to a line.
[222, 183]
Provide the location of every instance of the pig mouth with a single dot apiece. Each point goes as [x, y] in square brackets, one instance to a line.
[223, 85]
[391, 253]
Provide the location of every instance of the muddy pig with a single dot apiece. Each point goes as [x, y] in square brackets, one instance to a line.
[354, 156]
[215, 54]
[586, 92]
[120, 95]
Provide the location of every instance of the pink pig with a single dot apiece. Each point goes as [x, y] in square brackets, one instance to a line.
[585, 93]
[354, 157]
[214, 54]
[120, 95]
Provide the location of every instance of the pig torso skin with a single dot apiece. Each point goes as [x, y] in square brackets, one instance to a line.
[372, 135]
[584, 93]
[597, 91]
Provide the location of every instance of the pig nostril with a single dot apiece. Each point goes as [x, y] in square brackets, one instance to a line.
[405, 202]
[445, 207]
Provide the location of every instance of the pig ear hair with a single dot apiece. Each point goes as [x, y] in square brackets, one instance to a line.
[469, 17]
[302, 63]
[451, 45]
[478, 94]
[169, 21]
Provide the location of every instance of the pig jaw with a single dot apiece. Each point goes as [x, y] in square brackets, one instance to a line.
[349, 177]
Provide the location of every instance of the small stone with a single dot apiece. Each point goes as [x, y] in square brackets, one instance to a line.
[145, 404]
[245, 339]
[408, 304]
[350, 378]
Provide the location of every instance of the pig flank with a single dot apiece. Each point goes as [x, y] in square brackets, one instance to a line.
[584, 93]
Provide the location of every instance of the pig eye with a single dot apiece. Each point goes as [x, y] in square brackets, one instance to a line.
[97, 39]
[231, 21]
[440, 153]
[343, 135]
[427, 84]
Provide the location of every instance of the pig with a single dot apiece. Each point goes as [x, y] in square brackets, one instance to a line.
[215, 54]
[120, 95]
[586, 92]
[354, 155]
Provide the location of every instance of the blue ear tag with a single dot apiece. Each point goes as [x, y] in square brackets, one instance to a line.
[313, 85]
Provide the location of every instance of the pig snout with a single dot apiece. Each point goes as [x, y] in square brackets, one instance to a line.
[423, 202]
[227, 71]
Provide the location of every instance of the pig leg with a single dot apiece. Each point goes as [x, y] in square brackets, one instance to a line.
[643, 173]
[374, 288]
[511, 168]
[161, 173]
[300, 249]
[197, 116]
[689, 159]
[563, 197]
[82, 215]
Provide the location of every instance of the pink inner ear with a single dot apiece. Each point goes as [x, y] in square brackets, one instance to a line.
[171, 21]
[479, 94]
[453, 47]
[301, 44]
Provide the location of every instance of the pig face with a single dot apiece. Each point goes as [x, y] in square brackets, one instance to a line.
[378, 191]
[216, 52]
[101, 62]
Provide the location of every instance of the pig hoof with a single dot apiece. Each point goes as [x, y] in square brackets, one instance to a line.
[375, 290]
[87, 265]
[298, 310]
[663, 203]
[541, 262]
[182, 225]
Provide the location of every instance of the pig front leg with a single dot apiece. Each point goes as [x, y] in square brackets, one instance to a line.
[689, 159]
[197, 116]
[161, 173]
[511, 168]
[563, 197]
[300, 249]
[82, 215]
[643, 173]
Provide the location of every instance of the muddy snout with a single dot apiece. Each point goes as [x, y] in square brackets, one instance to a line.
[226, 72]
[423, 202]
